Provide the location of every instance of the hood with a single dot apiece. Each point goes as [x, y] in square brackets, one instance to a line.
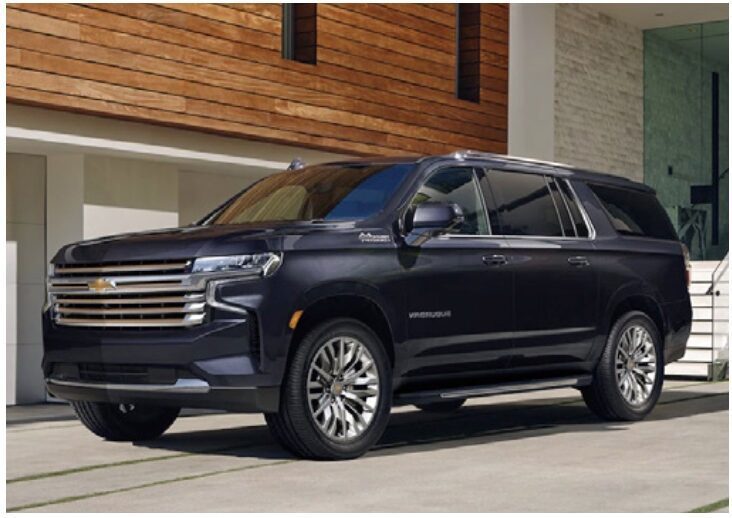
[185, 243]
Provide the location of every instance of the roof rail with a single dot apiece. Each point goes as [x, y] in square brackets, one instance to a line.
[468, 153]
[297, 163]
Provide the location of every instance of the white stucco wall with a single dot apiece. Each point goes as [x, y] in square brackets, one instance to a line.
[128, 195]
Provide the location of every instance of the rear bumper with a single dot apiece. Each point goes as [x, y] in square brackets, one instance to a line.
[678, 328]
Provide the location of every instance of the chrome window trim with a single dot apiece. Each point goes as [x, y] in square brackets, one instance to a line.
[592, 234]
[509, 236]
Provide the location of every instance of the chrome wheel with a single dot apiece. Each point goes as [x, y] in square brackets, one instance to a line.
[635, 365]
[343, 388]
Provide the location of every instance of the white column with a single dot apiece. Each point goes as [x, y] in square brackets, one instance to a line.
[25, 276]
[64, 201]
[531, 81]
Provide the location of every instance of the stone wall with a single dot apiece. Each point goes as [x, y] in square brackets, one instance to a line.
[598, 103]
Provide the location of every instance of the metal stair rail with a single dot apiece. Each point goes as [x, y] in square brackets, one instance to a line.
[719, 290]
[698, 362]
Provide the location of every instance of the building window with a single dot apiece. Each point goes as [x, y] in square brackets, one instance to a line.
[467, 25]
[299, 32]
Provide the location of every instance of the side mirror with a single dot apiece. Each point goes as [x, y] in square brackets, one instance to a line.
[430, 219]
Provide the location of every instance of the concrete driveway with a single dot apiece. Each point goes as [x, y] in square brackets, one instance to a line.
[538, 452]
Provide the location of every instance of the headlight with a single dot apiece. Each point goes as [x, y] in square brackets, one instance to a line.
[265, 264]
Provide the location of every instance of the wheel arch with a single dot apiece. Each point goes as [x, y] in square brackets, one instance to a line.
[347, 300]
[637, 298]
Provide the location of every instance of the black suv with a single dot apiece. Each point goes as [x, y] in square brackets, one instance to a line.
[324, 295]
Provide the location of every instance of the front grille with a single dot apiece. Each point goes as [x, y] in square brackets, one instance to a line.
[117, 373]
[113, 373]
[127, 295]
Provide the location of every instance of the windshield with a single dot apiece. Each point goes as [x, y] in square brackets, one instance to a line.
[327, 192]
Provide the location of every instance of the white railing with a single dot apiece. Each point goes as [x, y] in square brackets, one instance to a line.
[719, 290]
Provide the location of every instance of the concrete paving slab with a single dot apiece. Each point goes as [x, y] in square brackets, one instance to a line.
[536, 452]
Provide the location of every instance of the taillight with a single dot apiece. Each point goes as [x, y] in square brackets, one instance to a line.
[687, 264]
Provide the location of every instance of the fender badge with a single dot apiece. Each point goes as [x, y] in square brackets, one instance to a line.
[368, 237]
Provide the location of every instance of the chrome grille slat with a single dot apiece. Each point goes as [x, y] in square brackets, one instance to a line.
[162, 322]
[124, 289]
[167, 310]
[135, 295]
[102, 300]
[122, 279]
[101, 269]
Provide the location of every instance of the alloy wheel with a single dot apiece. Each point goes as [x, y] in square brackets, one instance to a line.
[635, 365]
[343, 388]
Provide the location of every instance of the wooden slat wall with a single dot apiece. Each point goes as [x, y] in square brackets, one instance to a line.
[384, 82]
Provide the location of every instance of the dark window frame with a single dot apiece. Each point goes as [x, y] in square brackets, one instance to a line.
[583, 227]
[300, 33]
[467, 52]
[565, 214]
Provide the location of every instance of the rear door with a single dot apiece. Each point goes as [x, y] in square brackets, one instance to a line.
[551, 257]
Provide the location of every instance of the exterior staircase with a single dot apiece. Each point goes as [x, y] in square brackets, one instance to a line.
[707, 351]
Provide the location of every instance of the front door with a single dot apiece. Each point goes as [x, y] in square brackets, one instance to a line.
[459, 292]
[551, 258]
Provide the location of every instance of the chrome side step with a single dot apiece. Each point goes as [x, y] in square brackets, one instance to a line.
[492, 390]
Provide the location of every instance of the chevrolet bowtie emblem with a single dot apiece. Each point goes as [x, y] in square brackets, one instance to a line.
[101, 285]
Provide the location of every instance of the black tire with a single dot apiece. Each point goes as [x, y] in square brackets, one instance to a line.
[603, 397]
[116, 422]
[294, 426]
[450, 405]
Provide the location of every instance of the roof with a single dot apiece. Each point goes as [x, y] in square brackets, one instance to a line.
[511, 162]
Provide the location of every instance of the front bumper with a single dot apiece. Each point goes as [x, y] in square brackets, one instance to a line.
[186, 392]
[213, 365]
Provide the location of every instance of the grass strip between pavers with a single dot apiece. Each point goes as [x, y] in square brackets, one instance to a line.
[91, 467]
[710, 508]
[143, 486]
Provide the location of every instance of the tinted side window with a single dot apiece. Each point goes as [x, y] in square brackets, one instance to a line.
[635, 213]
[457, 185]
[577, 219]
[524, 204]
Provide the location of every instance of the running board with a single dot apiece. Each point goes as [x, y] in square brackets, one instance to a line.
[491, 390]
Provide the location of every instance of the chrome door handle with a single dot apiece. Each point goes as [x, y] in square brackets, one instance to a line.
[495, 260]
[579, 261]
